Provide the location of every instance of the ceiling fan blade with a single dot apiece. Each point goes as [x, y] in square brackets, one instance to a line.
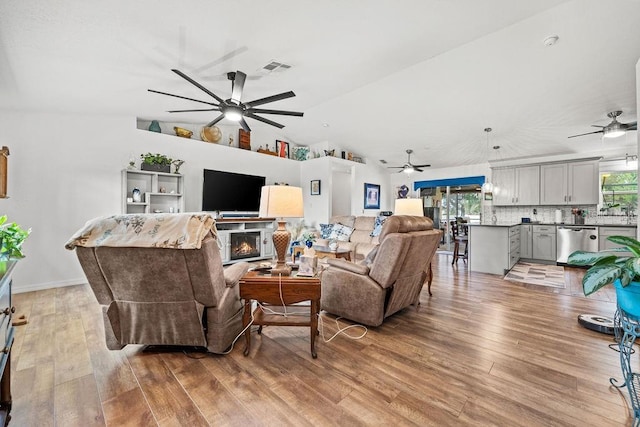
[198, 85]
[417, 169]
[216, 120]
[588, 133]
[282, 113]
[267, 121]
[272, 98]
[421, 166]
[598, 126]
[190, 111]
[632, 126]
[182, 97]
[238, 86]
[244, 125]
[395, 167]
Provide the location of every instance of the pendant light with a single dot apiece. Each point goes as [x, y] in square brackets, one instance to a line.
[487, 187]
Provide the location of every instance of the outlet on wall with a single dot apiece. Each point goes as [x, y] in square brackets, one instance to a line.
[535, 211]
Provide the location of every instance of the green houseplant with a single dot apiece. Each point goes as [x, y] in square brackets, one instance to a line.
[155, 162]
[11, 238]
[620, 266]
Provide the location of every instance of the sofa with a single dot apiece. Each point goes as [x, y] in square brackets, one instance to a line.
[390, 279]
[360, 242]
[160, 281]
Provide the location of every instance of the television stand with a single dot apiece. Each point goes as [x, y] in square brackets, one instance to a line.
[245, 239]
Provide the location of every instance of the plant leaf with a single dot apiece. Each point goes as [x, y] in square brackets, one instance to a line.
[599, 276]
[587, 258]
[633, 264]
[629, 242]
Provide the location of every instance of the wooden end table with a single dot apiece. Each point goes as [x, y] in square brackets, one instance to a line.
[326, 252]
[273, 290]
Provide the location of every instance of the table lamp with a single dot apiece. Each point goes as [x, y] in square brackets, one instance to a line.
[411, 207]
[281, 201]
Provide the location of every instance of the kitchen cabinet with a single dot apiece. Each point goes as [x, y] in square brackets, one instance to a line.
[493, 249]
[604, 232]
[544, 242]
[526, 241]
[518, 186]
[573, 183]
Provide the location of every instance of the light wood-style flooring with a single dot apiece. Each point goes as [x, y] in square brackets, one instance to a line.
[480, 351]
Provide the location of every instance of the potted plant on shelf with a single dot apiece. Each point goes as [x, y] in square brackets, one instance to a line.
[11, 238]
[155, 162]
[620, 266]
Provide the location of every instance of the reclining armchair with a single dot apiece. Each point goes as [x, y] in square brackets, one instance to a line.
[160, 281]
[375, 289]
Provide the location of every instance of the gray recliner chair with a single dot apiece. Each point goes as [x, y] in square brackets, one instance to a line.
[165, 296]
[369, 292]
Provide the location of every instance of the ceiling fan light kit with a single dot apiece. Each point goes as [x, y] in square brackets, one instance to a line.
[233, 108]
[614, 129]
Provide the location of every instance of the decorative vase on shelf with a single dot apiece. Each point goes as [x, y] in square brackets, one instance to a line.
[155, 126]
[136, 195]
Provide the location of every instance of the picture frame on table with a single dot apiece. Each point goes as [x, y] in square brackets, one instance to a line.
[282, 148]
[371, 196]
[315, 187]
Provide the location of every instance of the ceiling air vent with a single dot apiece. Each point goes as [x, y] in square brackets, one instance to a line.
[384, 162]
[274, 66]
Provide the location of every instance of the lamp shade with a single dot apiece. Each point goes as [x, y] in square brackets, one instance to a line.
[411, 207]
[281, 201]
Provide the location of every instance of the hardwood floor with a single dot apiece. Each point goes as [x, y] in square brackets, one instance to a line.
[480, 351]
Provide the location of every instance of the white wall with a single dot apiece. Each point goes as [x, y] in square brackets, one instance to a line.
[65, 169]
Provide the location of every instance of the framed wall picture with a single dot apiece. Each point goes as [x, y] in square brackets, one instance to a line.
[282, 148]
[315, 187]
[371, 196]
[244, 139]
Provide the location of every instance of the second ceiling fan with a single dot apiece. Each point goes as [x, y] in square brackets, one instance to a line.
[233, 108]
[409, 167]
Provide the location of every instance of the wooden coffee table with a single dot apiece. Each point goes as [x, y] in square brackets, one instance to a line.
[326, 252]
[273, 290]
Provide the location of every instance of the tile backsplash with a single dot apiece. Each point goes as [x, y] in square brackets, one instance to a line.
[546, 214]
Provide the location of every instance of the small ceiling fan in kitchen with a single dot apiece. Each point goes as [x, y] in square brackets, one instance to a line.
[409, 167]
[613, 129]
[234, 108]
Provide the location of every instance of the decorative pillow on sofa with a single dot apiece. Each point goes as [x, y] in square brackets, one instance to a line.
[325, 230]
[341, 232]
[377, 226]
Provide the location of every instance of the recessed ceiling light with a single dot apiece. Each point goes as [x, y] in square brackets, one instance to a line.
[325, 125]
[551, 40]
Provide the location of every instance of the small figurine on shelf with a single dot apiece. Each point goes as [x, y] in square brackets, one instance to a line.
[177, 163]
[230, 140]
[132, 163]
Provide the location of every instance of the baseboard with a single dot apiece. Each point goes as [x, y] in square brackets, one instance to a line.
[47, 285]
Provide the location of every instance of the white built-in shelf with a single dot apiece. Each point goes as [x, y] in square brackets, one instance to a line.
[161, 191]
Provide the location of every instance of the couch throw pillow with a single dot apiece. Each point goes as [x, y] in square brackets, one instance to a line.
[340, 232]
[325, 230]
[377, 226]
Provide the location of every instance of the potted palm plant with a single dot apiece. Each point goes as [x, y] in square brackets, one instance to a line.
[620, 266]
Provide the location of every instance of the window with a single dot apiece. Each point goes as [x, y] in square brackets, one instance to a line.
[619, 192]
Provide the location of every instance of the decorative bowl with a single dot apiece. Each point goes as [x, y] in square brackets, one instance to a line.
[211, 134]
[182, 132]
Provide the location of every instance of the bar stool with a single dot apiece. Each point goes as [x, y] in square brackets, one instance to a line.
[457, 240]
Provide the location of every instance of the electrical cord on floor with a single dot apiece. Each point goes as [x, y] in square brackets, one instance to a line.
[230, 348]
[341, 330]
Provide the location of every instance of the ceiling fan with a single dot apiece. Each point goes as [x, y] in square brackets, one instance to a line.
[409, 167]
[233, 108]
[613, 129]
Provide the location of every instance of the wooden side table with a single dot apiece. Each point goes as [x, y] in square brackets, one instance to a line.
[326, 252]
[273, 290]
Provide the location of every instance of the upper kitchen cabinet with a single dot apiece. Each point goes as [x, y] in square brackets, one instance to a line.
[516, 186]
[569, 183]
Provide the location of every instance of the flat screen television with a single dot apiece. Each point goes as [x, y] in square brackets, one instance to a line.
[230, 192]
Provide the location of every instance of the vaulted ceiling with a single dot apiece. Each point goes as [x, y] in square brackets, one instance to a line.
[385, 76]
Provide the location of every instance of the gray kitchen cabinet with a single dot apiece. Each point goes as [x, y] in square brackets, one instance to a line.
[526, 241]
[518, 186]
[573, 183]
[544, 242]
[493, 249]
[604, 232]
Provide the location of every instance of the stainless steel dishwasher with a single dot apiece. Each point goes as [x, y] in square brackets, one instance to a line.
[575, 238]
